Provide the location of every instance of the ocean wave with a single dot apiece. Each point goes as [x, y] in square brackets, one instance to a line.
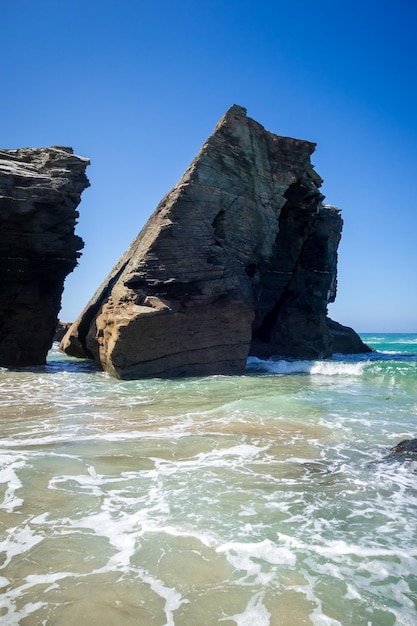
[395, 355]
[324, 368]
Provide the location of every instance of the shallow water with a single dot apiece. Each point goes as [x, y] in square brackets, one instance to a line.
[254, 500]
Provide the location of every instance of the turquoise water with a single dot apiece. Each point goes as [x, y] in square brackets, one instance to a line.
[255, 500]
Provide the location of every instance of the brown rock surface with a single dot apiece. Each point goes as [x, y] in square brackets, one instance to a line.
[40, 190]
[239, 257]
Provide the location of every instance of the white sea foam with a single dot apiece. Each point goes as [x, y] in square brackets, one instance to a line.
[46, 579]
[18, 541]
[335, 368]
[334, 548]
[173, 599]
[216, 458]
[210, 540]
[352, 593]
[340, 547]
[8, 476]
[91, 483]
[15, 617]
[246, 556]
[3, 582]
[408, 340]
[239, 452]
[121, 532]
[279, 367]
[325, 368]
[255, 613]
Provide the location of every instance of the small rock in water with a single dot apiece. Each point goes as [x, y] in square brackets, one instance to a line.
[406, 449]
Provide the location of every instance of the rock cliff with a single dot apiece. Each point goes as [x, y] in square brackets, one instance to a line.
[40, 190]
[239, 258]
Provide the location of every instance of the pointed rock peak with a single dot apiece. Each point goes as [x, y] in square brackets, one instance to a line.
[238, 258]
[236, 109]
[235, 114]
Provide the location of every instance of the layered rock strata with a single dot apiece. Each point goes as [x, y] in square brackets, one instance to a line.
[239, 258]
[40, 190]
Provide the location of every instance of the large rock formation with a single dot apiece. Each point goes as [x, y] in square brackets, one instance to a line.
[239, 258]
[40, 190]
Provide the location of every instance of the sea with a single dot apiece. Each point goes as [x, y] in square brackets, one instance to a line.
[267, 499]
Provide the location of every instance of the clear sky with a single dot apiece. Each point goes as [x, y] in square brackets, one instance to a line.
[138, 86]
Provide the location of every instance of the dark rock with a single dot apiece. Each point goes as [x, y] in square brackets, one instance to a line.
[61, 330]
[345, 340]
[40, 190]
[239, 257]
[405, 450]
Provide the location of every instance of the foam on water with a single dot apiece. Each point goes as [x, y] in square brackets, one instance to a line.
[246, 557]
[259, 499]
[325, 368]
[255, 613]
[9, 464]
[18, 541]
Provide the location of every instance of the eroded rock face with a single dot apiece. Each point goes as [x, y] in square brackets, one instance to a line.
[40, 190]
[239, 257]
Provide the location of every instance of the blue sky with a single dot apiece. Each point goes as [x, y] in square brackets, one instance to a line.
[137, 87]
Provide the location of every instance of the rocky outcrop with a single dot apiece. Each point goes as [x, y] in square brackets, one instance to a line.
[239, 258]
[40, 190]
[406, 450]
[345, 340]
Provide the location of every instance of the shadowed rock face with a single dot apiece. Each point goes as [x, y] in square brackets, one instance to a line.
[239, 257]
[345, 340]
[40, 190]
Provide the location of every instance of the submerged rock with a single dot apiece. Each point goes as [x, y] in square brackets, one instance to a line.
[403, 451]
[239, 258]
[40, 190]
